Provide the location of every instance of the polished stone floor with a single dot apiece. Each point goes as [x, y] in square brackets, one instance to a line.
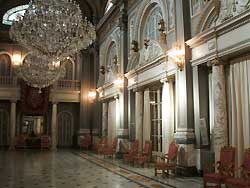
[73, 169]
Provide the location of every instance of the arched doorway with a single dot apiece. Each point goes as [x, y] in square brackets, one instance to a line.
[4, 128]
[65, 129]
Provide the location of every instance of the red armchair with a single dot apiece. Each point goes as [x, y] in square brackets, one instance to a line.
[169, 161]
[45, 142]
[85, 142]
[110, 151]
[129, 157]
[225, 168]
[101, 145]
[244, 181]
[145, 156]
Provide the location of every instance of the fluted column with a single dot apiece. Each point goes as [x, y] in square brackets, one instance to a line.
[104, 119]
[220, 136]
[139, 117]
[54, 126]
[12, 125]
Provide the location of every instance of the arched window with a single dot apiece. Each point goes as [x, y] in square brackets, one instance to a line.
[69, 66]
[5, 65]
[13, 14]
[151, 27]
[111, 54]
[109, 6]
[111, 63]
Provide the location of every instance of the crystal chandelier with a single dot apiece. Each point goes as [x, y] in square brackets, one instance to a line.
[51, 30]
[39, 73]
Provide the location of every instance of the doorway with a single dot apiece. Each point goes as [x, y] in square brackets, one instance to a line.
[65, 129]
[4, 128]
[156, 119]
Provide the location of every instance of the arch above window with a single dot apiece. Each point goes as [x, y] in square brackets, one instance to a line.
[111, 63]
[11, 15]
[150, 29]
[109, 5]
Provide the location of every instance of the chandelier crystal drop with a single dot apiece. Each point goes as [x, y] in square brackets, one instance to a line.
[39, 73]
[53, 29]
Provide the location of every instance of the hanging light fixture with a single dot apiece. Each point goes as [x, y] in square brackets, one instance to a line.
[51, 30]
[39, 73]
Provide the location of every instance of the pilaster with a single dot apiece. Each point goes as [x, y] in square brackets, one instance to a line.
[12, 125]
[54, 126]
[220, 133]
[123, 93]
[104, 119]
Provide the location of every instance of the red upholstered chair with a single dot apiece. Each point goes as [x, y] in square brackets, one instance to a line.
[129, 157]
[101, 145]
[145, 156]
[21, 141]
[169, 160]
[45, 142]
[110, 151]
[225, 168]
[244, 181]
[85, 142]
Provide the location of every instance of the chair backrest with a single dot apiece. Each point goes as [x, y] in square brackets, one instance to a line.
[45, 140]
[135, 146]
[85, 140]
[227, 161]
[104, 140]
[147, 148]
[173, 151]
[246, 164]
[114, 144]
[227, 156]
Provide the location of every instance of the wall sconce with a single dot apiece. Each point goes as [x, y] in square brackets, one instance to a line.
[119, 82]
[178, 55]
[92, 95]
[16, 59]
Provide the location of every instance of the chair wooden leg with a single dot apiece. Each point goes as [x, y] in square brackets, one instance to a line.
[204, 184]
[155, 171]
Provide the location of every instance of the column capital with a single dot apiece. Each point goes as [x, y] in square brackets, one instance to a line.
[216, 62]
[13, 100]
[116, 97]
[55, 102]
[164, 79]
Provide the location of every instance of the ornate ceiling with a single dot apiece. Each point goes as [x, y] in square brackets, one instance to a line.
[94, 9]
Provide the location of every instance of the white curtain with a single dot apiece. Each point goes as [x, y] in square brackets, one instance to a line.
[239, 106]
[111, 121]
[167, 115]
[146, 117]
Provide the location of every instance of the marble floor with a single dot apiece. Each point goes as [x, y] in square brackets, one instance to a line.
[73, 169]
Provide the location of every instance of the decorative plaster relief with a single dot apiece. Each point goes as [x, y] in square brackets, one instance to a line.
[150, 52]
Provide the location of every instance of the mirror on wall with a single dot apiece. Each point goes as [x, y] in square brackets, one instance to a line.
[33, 125]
